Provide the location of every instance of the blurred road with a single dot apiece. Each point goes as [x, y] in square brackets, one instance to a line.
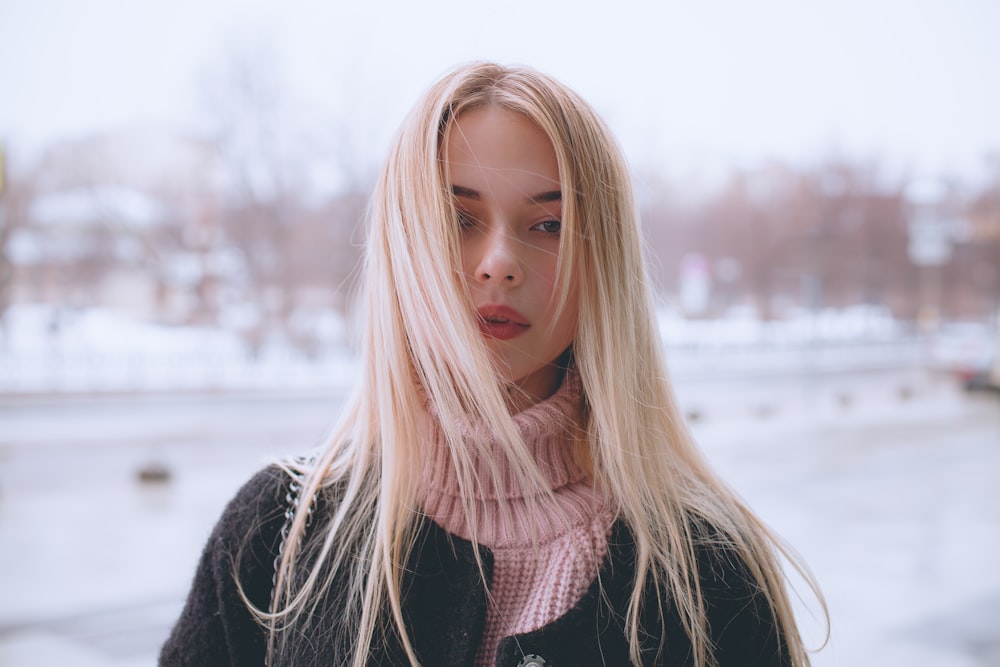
[884, 481]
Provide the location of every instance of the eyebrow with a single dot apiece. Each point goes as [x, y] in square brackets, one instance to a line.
[540, 198]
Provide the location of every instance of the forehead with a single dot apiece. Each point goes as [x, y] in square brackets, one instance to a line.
[493, 143]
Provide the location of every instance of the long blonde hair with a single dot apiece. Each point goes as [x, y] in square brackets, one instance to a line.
[421, 343]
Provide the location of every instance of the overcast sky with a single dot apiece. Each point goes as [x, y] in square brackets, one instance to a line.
[685, 85]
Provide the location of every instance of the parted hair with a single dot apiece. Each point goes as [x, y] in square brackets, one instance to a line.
[421, 345]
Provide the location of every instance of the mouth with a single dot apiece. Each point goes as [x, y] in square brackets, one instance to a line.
[501, 322]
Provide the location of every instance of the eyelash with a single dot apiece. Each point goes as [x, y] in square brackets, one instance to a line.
[466, 221]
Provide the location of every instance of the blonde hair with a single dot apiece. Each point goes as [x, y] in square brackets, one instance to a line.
[421, 344]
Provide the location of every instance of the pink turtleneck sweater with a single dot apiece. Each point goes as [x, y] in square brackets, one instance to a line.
[538, 575]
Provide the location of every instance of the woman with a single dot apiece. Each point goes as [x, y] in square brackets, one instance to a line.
[512, 483]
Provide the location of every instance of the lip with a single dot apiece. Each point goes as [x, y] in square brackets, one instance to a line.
[501, 322]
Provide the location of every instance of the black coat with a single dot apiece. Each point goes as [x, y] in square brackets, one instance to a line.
[445, 604]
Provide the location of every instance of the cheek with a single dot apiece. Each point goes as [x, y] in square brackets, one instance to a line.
[543, 265]
[468, 259]
[564, 327]
[549, 277]
[567, 324]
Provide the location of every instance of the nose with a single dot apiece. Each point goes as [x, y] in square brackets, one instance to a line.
[499, 260]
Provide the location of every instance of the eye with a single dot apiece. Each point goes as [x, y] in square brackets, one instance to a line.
[465, 220]
[552, 226]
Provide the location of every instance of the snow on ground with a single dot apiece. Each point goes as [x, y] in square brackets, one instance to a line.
[883, 480]
[98, 350]
[879, 472]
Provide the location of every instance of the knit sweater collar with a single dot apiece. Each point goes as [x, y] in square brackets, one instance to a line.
[546, 428]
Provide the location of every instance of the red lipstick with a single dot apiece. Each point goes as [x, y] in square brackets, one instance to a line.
[501, 322]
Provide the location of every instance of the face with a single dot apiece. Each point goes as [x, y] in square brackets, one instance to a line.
[505, 180]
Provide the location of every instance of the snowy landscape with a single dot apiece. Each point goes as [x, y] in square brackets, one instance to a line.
[181, 235]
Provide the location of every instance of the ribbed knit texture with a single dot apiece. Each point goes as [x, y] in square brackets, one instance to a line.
[546, 551]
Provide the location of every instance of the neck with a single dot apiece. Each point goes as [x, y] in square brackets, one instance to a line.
[522, 395]
[539, 385]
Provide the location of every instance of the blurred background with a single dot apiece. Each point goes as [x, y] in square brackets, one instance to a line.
[182, 187]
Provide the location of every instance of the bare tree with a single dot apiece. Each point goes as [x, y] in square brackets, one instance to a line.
[779, 237]
[299, 247]
[16, 193]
